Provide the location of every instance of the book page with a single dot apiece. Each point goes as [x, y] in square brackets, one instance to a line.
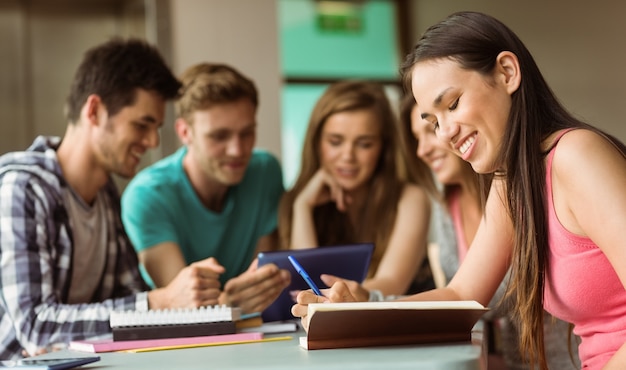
[404, 305]
[304, 343]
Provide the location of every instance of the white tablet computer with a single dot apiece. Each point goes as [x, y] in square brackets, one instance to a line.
[349, 261]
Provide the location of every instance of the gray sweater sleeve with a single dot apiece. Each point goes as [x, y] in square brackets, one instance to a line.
[442, 232]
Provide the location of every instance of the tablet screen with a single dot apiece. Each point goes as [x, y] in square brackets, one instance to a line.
[346, 261]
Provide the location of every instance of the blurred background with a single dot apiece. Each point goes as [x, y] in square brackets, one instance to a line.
[293, 49]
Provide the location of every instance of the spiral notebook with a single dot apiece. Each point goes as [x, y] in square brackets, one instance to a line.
[174, 323]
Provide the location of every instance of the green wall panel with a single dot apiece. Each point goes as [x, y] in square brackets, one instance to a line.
[355, 42]
[298, 101]
[307, 50]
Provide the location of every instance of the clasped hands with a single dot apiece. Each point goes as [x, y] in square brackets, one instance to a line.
[255, 289]
[198, 285]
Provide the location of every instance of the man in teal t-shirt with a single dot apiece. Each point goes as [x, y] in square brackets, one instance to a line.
[215, 197]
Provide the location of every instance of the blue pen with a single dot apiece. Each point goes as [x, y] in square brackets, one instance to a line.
[304, 275]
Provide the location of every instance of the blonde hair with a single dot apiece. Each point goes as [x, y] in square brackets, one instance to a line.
[385, 187]
[207, 84]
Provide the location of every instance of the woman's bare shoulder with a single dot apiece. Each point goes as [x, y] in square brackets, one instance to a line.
[411, 190]
[580, 150]
[414, 197]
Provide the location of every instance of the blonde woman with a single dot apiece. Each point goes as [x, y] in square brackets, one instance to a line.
[353, 187]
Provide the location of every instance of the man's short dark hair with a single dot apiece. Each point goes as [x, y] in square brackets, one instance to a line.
[115, 70]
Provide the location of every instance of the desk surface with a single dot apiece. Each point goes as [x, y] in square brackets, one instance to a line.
[287, 354]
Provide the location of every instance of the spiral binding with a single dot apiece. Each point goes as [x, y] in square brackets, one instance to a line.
[179, 316]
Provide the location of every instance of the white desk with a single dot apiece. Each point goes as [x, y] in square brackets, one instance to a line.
[287, 354]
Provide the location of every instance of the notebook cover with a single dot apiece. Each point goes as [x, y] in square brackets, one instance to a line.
[109, 345]
[361, 326]
[173, 331]
[288, 326]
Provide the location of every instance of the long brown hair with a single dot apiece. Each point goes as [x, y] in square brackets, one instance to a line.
[406, 108]
[385, 187]
[474, 40]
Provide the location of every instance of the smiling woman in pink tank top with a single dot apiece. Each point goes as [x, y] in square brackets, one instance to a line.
[556, 208]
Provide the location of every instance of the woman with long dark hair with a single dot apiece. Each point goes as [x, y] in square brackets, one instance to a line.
[556, 208]
[355, 185]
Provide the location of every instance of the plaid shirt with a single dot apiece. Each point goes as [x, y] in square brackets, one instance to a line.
[36, 250]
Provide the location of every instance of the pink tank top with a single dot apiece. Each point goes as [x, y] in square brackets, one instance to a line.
[583, 288]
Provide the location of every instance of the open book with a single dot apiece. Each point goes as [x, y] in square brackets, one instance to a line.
[365, 324]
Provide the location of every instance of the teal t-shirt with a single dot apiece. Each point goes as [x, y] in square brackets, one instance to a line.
[159, 205]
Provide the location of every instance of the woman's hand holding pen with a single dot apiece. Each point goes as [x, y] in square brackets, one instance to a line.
[339, 292]
[359, 293]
